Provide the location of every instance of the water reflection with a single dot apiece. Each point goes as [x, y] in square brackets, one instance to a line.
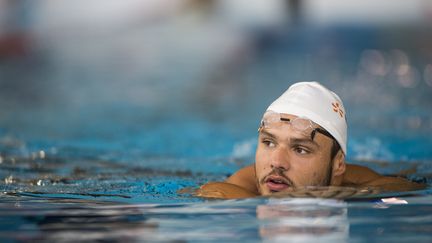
[298, 220]
[251, 220]
[82, 220]
[75, 220]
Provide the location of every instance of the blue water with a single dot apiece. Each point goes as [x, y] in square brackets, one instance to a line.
[102, 126]
[125, 188]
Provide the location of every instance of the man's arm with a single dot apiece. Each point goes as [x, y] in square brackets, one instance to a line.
[223, 190]
[360, 176]
[355, 176]
[239, 185]
[242, 184]
[245, 178]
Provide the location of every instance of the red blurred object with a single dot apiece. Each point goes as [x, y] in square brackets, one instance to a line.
[13, 45]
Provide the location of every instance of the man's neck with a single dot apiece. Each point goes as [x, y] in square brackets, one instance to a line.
[337, 180]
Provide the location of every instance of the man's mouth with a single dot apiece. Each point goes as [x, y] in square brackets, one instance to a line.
[277, 183]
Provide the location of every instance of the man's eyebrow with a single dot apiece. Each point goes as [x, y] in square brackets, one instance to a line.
[266, 133]
[304, 141]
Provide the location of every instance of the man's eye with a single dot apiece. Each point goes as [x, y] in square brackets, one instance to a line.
[300, 150]
[268, 143]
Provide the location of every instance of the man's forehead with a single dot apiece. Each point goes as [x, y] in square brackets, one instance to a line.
[290, 136]
[282, 126]
[283, 115]
[290, 117]
[282, 133]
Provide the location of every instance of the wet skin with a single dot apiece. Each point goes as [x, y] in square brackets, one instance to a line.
[287, 159]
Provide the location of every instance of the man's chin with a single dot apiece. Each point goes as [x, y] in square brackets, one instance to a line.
[268, 192]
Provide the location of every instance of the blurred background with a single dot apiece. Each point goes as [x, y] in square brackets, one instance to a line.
[188, 80]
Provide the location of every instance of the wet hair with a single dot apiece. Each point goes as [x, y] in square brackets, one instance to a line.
[335, 146]
[335, 149]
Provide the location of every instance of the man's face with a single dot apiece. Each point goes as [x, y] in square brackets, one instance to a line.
[287, 158]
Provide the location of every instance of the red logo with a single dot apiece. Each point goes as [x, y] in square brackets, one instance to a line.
[338, 109]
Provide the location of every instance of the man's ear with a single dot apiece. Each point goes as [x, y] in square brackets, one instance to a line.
[339, 165]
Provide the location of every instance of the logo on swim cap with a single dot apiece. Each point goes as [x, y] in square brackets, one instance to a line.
[338, 109]
[310, 100]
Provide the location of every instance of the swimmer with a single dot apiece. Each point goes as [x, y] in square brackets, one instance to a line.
[302, 143]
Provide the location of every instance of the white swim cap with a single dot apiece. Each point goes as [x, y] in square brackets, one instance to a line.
[317, 103]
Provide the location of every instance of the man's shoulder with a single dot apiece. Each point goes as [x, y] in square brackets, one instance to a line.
[223, 190]
[245, 177]
[358, 175]
[241, 184]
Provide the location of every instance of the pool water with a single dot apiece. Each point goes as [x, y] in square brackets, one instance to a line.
[92, 190]
[102, 124]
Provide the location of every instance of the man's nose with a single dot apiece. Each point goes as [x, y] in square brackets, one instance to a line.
[280, 159]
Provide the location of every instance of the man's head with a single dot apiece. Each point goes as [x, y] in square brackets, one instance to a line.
[302, 140]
